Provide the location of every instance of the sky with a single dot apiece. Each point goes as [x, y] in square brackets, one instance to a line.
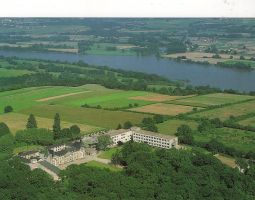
[127, 8]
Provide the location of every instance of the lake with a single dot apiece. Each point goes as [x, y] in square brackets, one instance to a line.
[195, 74]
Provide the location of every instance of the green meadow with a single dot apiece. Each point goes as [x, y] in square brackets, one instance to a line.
[227, 111]
[95, 117]
[12, 72]
[25, 98]
[115, 100]
[212, 99]
[248, 122]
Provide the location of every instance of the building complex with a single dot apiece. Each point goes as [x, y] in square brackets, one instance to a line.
[138, 135]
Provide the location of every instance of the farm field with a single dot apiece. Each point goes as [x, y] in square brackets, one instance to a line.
[157, 97]
[237, 139]
[95, 117]
[25, 98]
[12, 72]
[212, 99]
[170, 127]
[163, 109]
[112, 99]
[248, 122]
[16, 121]
[227, 111]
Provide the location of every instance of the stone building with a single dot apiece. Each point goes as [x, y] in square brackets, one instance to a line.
[61, 154]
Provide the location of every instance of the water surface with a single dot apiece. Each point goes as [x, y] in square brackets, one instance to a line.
[195, 74]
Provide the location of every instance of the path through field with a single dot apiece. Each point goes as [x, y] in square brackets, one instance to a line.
[60, 96]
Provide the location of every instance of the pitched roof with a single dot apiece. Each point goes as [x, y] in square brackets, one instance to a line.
[28, 153]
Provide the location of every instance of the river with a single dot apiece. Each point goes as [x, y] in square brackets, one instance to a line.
[195, 74]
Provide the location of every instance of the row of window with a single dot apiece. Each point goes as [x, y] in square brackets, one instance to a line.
[149, 136]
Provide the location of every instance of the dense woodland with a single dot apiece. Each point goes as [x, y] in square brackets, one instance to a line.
[147, 174]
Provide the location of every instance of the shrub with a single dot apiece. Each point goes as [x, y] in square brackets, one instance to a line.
[4, 129]
[8, 109]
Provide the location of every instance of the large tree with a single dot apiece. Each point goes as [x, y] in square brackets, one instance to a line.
[31, 122]
[184, 133]
[4, 129]
[103, 142]
[56, 126]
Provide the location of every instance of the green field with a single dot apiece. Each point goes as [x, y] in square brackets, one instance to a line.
[238, 139]
[91, 116]
[170, 127]
[248, 122]
[211, 99]
[25, 98]
[17, 121]
[118, 99]
[12, 72]
[227, 111]
[163, 109]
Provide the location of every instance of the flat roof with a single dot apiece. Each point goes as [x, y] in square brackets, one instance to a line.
[117, 132]
[144, 132]
[139, 130]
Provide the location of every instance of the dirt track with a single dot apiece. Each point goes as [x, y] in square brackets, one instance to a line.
[60, 96]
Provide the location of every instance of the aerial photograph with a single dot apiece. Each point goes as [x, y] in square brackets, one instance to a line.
[127, 108]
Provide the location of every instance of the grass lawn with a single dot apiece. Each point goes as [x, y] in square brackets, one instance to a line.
[163, 109]
[103, 166]
[90, 116]
[212, 99]
[170, 127]
[238, 139]
[225, 112]
[17, 121]
[108, 153]
[12, 72]
[25, 98]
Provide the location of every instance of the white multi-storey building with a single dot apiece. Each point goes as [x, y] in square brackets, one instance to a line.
[121, 135]
[142, 136]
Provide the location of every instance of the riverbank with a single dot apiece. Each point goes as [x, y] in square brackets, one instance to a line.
[221, 60]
